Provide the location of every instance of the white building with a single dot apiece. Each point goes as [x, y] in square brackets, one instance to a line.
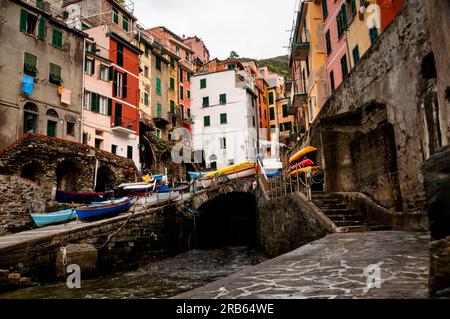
[223, 106]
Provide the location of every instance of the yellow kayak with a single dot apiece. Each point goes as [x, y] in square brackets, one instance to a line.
[299, 155]
[304, 169]
[231, 169]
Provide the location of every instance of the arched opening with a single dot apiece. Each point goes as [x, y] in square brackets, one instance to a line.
[30, 117]
[146, 152]
[226, 221]
[67, 174]
[428, 68]
[105, 179]
[52, 122]
[33, 172]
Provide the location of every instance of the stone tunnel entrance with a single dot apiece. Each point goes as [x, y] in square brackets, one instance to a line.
[227, 220]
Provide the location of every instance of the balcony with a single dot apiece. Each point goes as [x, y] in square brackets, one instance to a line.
[300, 50]
[124, 125]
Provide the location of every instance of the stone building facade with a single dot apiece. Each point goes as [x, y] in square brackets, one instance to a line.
[41, 74]
[375, 132]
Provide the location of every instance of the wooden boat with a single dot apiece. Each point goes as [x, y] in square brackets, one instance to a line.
[241, 170]
[300, 154]
[59, 217]
[157, 199]
[92, 212]
[82, 197]
[112, 201]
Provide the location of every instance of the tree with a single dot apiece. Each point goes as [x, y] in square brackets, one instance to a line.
[233, 55]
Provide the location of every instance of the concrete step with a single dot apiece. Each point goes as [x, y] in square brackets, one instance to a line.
[345, 211]
[352, 229]
[350, 223]
[345, 217]
[324, 206]
[380, 227]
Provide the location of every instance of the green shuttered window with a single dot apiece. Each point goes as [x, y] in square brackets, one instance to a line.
[57, 38]
[30, 64]
[158, 86]
[158, 110]
[223, 118]
[203, 83]
[206, 121]
[55, 74]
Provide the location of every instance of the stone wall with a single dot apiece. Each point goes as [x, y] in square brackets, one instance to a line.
[371, 134]
[19, 197]
[287, 223]
[58, 164]
[436, 172]
[146, 237]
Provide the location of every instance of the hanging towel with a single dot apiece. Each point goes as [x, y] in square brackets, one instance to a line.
[27, 84]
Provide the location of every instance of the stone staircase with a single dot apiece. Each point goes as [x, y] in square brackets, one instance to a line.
[346, 219]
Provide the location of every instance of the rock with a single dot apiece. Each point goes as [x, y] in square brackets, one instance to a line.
[83, 255]
[436, 172]
[439, 267]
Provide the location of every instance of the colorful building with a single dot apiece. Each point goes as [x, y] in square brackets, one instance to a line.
[389, 10]
[201, 52]
[308, 63]
[41, 68]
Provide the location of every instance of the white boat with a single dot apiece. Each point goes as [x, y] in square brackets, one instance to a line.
[158, 199]
[272, 167]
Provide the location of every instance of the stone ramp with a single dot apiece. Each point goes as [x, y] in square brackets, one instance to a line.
[333, 267]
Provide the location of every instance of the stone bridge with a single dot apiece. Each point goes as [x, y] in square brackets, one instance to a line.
[244, 185]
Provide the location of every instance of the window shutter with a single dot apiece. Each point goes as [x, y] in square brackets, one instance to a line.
[93, 67]
[110, 73]
[93, 101]
[109, 107]
[23, 20]
[124, 87]
[41, 30]
[114, 83]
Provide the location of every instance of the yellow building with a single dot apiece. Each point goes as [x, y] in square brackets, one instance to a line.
[364, 26]
[308, 63]
[279, 117]
[173, 84]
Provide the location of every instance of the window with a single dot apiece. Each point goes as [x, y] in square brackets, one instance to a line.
[172, 83]
[332, 81]
[104, 76]
[146, 51]
[158, 133]
[373, 33]
[146, 98]
[206, 121]
[341, 20]
[231, 66]
[353, 7]
[206, 101]
[189, 113]
[188, 94]
[57, 38]
[223, 99]
[253, 121]
[203, 83]
[172, 62]
[119, 55]
[271, 98]
[118, 78]
[182, 111]
[39, 4]
[103, 105]
[158, 86]
[130, 152]
[89, 67]
[30, 114]
[115, 16]
[113, 149]
[181, 76]
[188, 56]
[177, 51]
[285, 110]
[65, 15]
[181, 93]
[51, 128]
[356, 54]
[87, 100]
[344, 67]
[328, 42]
[223, 118]
[29, 22]
[125, 23]
[158, 64]
[223, 143]
[70, 129]
[172, 106]
[158, 110]
[188, 77]
[324, 9]
[30, 64]
[272, 114]
[146, 71]
[55, 74]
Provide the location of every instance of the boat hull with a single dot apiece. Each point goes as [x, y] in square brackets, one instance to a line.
[158, 199]
[60, 217]
[94, 212]
[300, 154]
[207, 182]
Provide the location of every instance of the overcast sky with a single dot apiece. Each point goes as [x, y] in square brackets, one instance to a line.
[252, 28]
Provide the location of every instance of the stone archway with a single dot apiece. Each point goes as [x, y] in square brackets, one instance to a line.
[67, 174]
[105, 179]
[32, 171]
[30, 117]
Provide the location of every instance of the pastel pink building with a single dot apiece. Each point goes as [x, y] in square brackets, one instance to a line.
[201, 52]
[335, 17]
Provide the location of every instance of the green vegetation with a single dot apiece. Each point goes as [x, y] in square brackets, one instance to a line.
[279, 64]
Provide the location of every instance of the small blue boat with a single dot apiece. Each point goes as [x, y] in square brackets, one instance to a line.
[107, 202]
[46, 219]
[82, 197]
[92, 212]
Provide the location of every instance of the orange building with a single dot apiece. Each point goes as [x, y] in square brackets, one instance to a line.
[389, 10]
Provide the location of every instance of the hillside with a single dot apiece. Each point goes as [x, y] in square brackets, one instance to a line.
[279, 64]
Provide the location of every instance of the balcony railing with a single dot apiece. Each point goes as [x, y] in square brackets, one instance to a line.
[124, 125]
[300, 49]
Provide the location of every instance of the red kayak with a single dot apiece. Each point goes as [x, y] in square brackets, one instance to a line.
[305, 163]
